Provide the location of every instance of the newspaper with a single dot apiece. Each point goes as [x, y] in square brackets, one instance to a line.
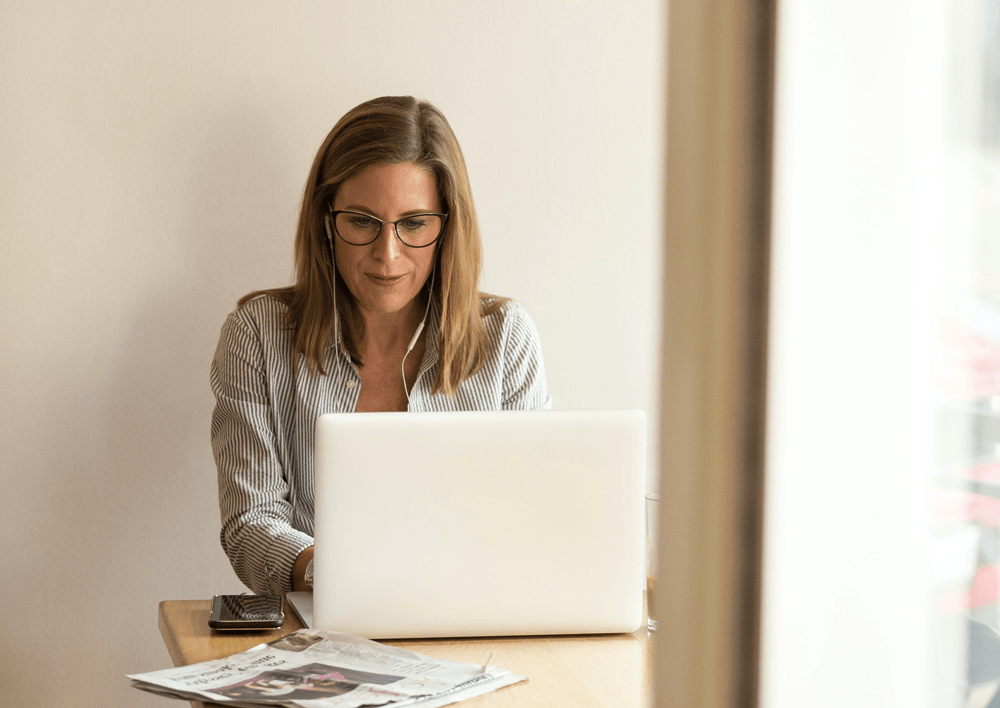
[313, 669]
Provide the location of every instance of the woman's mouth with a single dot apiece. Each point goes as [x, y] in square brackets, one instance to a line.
[384, 280]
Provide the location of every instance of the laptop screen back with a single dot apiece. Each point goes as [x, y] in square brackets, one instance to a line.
[479, 524]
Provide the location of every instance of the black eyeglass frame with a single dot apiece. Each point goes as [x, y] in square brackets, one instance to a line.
[395, 226]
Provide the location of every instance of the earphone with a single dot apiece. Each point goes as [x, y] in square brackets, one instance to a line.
[333, 268]
[420, 327]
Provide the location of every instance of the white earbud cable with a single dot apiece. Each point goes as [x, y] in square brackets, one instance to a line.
[420, 328]
[333, 275]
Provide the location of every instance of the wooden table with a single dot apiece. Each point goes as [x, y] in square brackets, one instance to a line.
[593, 670]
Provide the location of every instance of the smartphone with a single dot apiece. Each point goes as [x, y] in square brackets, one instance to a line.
[231, 612]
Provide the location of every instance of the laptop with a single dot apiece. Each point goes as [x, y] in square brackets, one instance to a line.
[479, 524]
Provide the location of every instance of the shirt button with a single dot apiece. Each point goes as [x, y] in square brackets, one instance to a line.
[351, 383]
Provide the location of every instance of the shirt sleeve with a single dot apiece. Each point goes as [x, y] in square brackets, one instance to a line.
[254, 500]
[524, 386]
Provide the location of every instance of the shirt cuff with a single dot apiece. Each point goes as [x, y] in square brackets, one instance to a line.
[280, 558]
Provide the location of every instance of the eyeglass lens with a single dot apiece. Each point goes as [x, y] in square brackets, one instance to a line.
[360, 229]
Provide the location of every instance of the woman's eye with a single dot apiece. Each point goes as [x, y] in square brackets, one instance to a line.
[413, 224]
[361, 222]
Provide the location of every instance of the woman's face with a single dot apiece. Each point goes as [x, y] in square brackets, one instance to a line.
[386, 275]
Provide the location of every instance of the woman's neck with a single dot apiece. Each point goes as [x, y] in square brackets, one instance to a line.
[389, 333]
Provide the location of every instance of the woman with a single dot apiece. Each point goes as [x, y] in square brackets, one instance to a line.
[385, 315]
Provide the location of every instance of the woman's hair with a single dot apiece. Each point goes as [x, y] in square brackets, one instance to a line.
[390, 130]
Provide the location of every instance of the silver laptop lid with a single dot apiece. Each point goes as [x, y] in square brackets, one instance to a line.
[479, 524]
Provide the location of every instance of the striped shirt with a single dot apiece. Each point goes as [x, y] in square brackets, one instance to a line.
[267, 403]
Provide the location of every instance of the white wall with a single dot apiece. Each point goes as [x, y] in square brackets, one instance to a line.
[153, 155]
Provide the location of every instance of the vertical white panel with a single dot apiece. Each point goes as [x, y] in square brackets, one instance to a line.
[883, 492]
[845, 593]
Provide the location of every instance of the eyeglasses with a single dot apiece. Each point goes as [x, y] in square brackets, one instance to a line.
[415, 231]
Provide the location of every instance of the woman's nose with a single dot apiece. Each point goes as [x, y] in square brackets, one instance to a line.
[387, 245]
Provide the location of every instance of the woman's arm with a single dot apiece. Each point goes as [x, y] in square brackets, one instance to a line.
[254, 495]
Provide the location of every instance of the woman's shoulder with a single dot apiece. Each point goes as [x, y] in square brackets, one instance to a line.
[263, 312]
[495, 308]
[506, 306]
[505, 314]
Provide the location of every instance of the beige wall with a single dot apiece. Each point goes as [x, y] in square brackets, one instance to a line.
[152, 160]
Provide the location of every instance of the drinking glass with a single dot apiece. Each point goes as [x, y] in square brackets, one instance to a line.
[652, 534]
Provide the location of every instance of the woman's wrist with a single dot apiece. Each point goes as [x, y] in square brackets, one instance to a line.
[299, 570]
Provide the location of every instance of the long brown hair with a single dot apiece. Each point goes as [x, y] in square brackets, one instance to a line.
[390, 130]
